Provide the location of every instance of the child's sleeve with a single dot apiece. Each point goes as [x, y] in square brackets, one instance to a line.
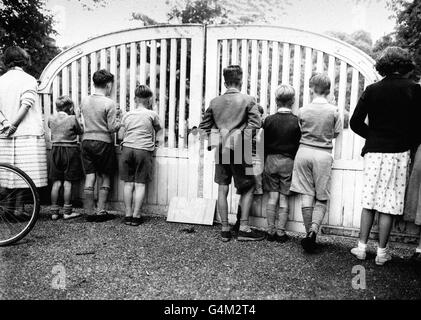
[156, 123]
[207, 122]
[78, 125]
[254, 120]
[338, 124]
[122, 130]
[113, 118]
[357, 121]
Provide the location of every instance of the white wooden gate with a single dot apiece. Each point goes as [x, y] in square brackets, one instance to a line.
[273, 55]
[167, 58]
[172, 59]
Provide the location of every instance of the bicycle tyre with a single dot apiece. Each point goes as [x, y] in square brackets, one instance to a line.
[36, 206]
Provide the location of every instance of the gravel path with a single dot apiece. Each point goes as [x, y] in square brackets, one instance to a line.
[161, 260]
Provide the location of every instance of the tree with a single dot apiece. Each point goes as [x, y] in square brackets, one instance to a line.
[198, 11]
[408, 30]
[227, 11]
[27, 24]
[360, 39]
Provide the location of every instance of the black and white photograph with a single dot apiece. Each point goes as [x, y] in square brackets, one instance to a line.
[209, 156]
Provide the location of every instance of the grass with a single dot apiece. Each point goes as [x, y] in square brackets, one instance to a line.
[161, 260]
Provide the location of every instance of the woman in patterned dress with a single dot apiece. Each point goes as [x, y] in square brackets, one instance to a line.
[22, 140]
[392, 108]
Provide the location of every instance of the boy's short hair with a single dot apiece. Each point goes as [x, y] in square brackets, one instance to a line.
[284, 95]
[320, 83]
[64, 103]
[143, 92]
[102, 77]
[233, 75]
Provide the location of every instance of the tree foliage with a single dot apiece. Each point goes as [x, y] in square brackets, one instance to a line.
[198, 11]
[407, 32]
[25, 23]
[227, 11]
[360, 39]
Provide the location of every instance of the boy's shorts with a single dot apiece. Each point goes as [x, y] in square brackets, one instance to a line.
[312, 171]
[98, 157]
[136, 165]
[243, 179]
[278, 173]
[65, 164]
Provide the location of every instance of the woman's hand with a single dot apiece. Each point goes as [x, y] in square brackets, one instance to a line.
[5, 126]
[11, 130]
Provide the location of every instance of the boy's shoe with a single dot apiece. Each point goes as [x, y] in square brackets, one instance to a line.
[416, 257]
[104, 216]
[309, 242]
[359, 253]
[276, 237]
[72, 215]
[250, 235]
[136, 221]
[226, 236]
[128, 221]
[382, 259]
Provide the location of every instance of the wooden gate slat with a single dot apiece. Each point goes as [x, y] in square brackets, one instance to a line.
[163, 85]
[274, 76]
[264, 76]
[123, 77]
[307, 75]
[133, 67]
[244, 64]
[172, 97]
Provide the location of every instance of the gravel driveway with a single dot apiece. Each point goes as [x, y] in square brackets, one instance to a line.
[160, 260]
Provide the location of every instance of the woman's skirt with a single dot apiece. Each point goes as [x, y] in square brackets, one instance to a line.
[28, 153]
[412, 211]
[384, 181]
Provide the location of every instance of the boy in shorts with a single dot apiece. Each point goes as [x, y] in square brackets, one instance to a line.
[236, 118]
[102, 118]
[320, 123]
[138, 132]
[65, 164]
[282, 138]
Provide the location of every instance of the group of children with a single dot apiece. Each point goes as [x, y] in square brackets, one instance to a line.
[297, 155]
[97, 120]
[296, 158]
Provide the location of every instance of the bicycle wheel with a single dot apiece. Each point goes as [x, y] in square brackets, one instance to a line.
[19, 204]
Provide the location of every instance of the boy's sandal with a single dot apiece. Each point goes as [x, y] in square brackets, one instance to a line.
[136, 221]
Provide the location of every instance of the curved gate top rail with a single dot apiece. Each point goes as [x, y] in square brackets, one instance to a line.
[321, 42]
[114, 39]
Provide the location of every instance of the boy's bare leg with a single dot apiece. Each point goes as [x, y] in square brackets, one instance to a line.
[138, 199]
[67, 194]
[103, 192]
[271, 210]
[223, 206]
[319, 212]
[128, 198]
[246, 201]
[282, 214]
[88, 203]
[307, 205]
[367, 219]
[55, 189]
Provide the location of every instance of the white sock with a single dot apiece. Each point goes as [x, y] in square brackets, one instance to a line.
[381, 251]
[418, 250]
[362, 246]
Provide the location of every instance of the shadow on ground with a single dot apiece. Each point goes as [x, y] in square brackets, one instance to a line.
[161, 260]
